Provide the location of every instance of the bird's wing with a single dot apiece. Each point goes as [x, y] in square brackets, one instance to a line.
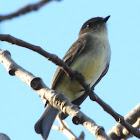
[79, 100]
[69, 58]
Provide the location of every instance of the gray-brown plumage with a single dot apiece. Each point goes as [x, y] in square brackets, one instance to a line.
[89, 55]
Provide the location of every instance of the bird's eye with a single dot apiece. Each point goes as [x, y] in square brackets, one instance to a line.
[88, 25]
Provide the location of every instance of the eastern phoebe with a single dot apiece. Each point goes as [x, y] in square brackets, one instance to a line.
[89, 55]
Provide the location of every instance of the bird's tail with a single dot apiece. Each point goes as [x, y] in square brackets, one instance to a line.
[44, 124]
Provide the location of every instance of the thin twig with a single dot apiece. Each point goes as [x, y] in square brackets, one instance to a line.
[120, 119]
[63, 128]
[24, 10]
[133, 117]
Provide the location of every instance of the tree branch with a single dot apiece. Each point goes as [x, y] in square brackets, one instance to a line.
[26, 9]
[133, 117]
[55, 59]
[55, 99]
[63, 128]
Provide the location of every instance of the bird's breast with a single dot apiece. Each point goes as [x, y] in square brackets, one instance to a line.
[91, 65]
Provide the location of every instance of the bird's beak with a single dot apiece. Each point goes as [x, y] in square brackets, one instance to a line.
[106, 19]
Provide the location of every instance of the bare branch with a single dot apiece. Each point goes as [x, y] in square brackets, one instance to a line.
[26, 9]
[120, 119]
[56, 60]
[119, 132]
[129, 135]
[55, 99]
[63, 128]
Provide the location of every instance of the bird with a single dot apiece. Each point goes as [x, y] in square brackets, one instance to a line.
[89, 55]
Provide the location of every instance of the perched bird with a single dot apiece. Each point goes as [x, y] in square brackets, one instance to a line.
[89, 55]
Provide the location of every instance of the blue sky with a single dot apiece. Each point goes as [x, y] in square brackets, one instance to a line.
[55, 27]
